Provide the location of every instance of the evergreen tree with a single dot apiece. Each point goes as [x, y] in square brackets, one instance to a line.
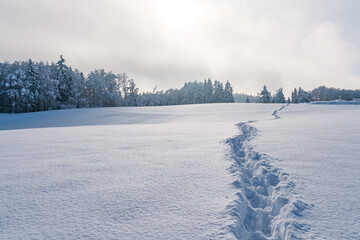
[279, 96]
[218, 92]
[294, 96]
[63, 76]
[209, 91]
[49, 91]
[303, 96]
[228, 92]
[78, 92]
[265, 95]
[34, 86]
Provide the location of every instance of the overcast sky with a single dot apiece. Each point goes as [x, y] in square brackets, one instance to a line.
[279, 43]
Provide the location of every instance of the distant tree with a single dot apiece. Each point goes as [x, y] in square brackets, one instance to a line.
[265, 95]
[218, 92]
[49, 91]
[300, 96]
[323, 93]
[103, 89]
[78, 91]
[63, 75]
[279, 96]
[295, 96]
[242, 97]
[228, 93]
[209, 91]
[33, 87]
[303, 96]
[247, 99]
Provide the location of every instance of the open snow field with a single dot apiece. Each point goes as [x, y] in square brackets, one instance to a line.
[319, 146]
[181, 172]
[120, 173]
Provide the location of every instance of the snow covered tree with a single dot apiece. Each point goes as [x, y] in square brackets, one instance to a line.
[218, 92]
[300, 96]
[5, 101]
[48, 91]
[78, 96]
[33, 85]
[63, 75]
[265, 95]
[209, 91]
[279, 96]
[200, 95]
[103, 89]
[303, 96]
[295, 96]
[16, 88]
[228, 93]
[133, 93]
[128, 90]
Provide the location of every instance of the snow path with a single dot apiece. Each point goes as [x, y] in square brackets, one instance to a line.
[318, 145]
[266, 206]
[275, 113]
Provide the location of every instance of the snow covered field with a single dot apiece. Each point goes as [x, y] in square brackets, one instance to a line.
[181, 172]
[319, 146]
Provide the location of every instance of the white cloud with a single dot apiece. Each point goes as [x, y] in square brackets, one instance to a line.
[250, 43]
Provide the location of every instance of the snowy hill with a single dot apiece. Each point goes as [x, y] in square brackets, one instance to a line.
[179, 172]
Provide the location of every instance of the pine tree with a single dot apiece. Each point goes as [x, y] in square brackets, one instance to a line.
[303, 96]
[34, 85]
[265, 95]
[209, 91]
[63, 76]
[295, 96]
[228, 92]
[218, 92]
[279, 96]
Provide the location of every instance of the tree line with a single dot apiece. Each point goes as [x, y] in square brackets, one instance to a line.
[29, 86]
[299, 95]
[191, 93]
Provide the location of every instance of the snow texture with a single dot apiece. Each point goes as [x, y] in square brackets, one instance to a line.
[182, 172]
[318, 146]
[120, 173]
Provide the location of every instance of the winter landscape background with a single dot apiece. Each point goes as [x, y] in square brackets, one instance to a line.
[179, 119]
[182, 172]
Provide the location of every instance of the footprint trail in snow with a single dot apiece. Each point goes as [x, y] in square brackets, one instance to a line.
[266, 205]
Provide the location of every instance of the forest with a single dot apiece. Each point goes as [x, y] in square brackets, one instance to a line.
[299, 95]
[29, 86]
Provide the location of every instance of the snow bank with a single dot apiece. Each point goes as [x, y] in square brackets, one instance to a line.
[339, 102]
